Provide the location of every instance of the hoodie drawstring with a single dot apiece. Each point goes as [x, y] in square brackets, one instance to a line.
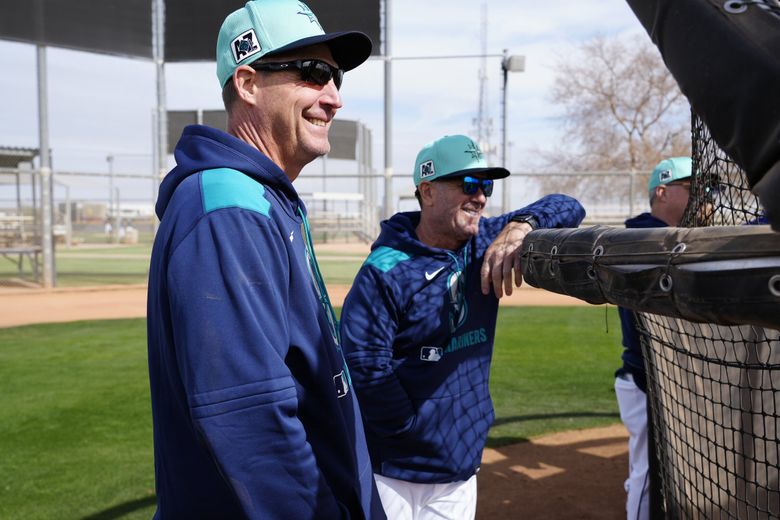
[322, 292]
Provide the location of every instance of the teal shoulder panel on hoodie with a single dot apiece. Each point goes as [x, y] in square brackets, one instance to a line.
[228, 188]
[385, 258]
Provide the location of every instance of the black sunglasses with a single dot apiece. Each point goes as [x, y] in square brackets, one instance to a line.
[311, 71]
[472, 184]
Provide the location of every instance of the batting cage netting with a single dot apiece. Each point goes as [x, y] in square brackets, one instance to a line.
[720, 195]
[716, 389]
[707, 301]
[707, 293]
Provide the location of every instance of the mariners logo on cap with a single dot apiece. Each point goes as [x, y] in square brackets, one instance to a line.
[305, 11]
[245, 45]
[664, 176]
[427, 169]
[474, 150]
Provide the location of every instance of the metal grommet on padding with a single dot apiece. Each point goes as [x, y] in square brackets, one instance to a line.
[735, 6]
[598, 251]
[665, 283]
[553, 261]
[591, 272]
[774, 285]
[679, 248]
[530, 248]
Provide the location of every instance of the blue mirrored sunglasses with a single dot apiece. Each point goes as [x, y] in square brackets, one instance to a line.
[472, 184]
[311, 71]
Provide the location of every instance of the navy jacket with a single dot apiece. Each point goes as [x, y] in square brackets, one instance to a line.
[254, 416]
[418, 336]
[633, 363]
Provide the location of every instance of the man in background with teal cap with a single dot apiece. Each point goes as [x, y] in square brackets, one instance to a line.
[669, 189]
[418, 328]
[253, 408]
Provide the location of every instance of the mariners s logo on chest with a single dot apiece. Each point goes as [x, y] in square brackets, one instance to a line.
[456, 284]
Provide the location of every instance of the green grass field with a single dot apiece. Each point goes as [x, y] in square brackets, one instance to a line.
[76, 434]
[122, 264]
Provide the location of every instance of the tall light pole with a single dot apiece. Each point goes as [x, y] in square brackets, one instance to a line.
[158, 56]
[513, 63]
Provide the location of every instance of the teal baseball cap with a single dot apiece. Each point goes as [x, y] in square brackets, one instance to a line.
[267, 27]
[669, 170]
[453, 156]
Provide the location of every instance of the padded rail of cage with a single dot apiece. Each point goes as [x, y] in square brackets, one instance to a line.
[721, 275]
[708, 303]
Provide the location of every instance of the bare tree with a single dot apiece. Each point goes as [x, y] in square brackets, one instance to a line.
[622, 109]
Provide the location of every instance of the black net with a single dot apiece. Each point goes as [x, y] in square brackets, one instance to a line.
[714, 391]
[720, 195]
[715, 401]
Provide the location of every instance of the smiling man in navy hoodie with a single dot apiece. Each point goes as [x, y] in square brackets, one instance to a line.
[418, 328]
[253, 409]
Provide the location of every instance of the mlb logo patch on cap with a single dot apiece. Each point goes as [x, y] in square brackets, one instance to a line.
[427, 169]
[245, 45]
[665, 176]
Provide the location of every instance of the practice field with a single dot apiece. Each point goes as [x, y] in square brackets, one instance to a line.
[111, 264]
[75, 430]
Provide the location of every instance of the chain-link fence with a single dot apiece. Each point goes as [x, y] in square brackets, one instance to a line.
[20, 244]
[608, 197]
[103, 223]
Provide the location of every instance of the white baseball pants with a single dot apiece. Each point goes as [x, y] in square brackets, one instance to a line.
[404, 500]
[633, 412]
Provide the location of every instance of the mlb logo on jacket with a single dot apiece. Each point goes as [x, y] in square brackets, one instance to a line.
[431, 353]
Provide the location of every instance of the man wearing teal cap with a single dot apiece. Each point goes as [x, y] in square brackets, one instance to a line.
[418, 328]
[669, 189]
[253, 408]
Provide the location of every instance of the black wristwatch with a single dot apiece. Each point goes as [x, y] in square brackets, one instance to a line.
[528, 219]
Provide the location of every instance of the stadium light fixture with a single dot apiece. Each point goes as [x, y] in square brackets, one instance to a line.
[509, 63]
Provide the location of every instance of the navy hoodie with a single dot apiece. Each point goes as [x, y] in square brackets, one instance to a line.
[633, 363]
[254, 415]
[418, 335]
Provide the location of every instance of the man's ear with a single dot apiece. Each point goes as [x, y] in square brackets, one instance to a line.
[660, 192]
[244, 82]
[426, 193]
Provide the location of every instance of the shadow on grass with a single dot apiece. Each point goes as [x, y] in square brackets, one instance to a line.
[123, 509]
[495, 442]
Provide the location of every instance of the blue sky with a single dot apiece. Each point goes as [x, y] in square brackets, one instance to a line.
[101, 105]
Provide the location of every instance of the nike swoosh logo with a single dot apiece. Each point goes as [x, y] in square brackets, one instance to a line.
[430, 276]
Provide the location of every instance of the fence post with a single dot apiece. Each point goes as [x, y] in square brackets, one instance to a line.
[47, 245]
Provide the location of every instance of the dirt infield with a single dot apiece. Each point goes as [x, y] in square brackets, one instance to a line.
[570, 475]
[27, 306]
